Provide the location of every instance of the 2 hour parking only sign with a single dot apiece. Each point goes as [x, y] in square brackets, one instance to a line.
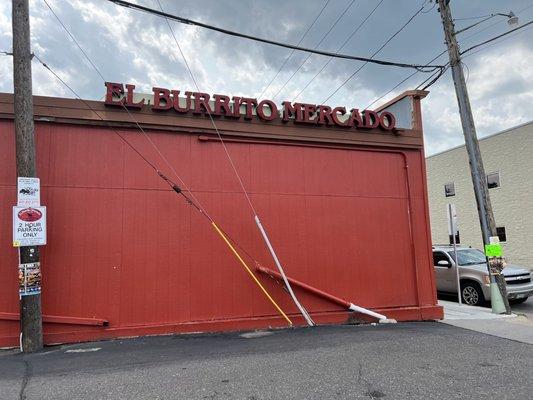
[29, 226]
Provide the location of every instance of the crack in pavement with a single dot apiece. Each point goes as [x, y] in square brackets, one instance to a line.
[25, 379]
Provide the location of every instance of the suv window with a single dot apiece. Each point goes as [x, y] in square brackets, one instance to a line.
[439, 256]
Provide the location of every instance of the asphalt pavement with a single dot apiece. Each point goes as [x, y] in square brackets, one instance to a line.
[395, 361]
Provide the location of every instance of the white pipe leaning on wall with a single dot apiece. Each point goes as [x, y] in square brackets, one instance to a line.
[303, 311]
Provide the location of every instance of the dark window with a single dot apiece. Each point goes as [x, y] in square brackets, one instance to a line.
[501, 233]
[439, 256]
[457, 238]
[449, 189]
[469, 256]
[493, 180]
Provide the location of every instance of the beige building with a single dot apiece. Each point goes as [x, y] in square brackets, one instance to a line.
[508, 160]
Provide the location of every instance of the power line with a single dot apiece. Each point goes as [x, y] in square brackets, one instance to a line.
[190, 200]
[316, 47]
[441, 73]
[496, 37]
[339, 49]
[161, 155]
[493, 43]
[239, 179]
[495, 23]
[466, 18]
[437, 76]
[375, 53]
[293, 50]
[402, 81]
[442, 53]
[302, 310]
[127, 142]
[422, 68]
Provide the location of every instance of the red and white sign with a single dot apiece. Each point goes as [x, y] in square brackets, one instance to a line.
[29, 226]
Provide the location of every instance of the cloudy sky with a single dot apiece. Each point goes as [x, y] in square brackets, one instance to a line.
[130, 46]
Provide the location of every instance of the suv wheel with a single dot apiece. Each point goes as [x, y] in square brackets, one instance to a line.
[472, 294]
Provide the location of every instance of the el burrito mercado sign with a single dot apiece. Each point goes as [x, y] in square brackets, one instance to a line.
[218, 105]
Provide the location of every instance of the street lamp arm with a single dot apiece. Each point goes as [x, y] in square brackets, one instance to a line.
[496, 37]
[513, 19]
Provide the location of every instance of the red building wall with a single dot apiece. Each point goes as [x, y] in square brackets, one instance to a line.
[123, 248]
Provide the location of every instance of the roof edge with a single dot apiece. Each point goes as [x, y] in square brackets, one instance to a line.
[481, 139]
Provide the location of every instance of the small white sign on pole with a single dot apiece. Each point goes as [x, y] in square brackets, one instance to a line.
[29, 226]
[28, 192]
[452, 220]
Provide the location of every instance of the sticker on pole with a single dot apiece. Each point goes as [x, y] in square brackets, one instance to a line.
[29, 279]
[28, 192]
[29, 226]
[493, 250]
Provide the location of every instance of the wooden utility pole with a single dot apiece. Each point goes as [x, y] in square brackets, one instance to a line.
[499, 300]
[30, 306]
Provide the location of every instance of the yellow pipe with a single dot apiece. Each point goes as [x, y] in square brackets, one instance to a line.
[250, 272]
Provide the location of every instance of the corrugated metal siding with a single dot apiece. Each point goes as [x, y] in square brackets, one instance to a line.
[124, 248]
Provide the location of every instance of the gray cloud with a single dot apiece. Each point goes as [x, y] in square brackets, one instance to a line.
[129, 46]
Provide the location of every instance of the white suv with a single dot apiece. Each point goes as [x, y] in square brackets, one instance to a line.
[474, 277]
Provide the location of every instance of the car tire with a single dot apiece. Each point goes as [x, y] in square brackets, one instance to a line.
[471, 293]
[518, 301]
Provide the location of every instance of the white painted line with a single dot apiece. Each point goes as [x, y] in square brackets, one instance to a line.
[257, 334]
[83, 350]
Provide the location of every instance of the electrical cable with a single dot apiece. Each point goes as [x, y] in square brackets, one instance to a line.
[422, 68]
[303, 311]
[190, 200]
[132, 117]
[339, 49]
[239, 179]
[495, 23]
[435, 79]
[496, 37]
[467, 71]
[375, 53]
[466, 18]
[496, 42]
[316, 47]
[176, 188]
[445, 51]
[402, 81]
[292, 51]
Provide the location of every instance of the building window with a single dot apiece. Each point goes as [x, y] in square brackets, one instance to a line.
[449, 189]
[500, 231]
[493, 180]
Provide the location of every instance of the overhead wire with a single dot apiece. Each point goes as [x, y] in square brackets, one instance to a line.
[497, 37]
[401, 82]
[195, 82]
[422, 68]
[338, 49]
[341, 15]
[439, 75]
[190, 198]
[495, 42]
[466, 18]
[302, 310]
[293, 50]
[445, 51]
[376, 52]
[132, 117]
[496, 23]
